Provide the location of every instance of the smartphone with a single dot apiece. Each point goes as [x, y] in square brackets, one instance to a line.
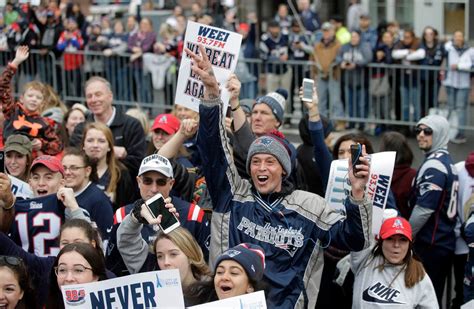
[156, 207]
[2, 161]
[356, 152]
[308, 85]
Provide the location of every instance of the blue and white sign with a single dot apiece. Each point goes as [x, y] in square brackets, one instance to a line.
[156, 289]
[377, 189]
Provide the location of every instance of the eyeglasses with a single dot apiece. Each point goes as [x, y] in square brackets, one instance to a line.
[10, 260]
[427, 131]
[160, 182]
[77, 271]
[73, 168]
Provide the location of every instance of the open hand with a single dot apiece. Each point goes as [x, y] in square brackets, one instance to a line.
[21, 55]
[201, 65]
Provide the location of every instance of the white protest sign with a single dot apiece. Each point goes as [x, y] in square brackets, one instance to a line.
[380, 178]
[222, 49]
[254, 300]
[156, 289]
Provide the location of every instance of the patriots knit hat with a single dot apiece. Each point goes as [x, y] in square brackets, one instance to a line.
[251, 257]
[276, 101]
[272, 145]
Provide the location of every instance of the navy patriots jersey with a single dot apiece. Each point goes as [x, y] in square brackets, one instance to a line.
[37, 224]
[436, 188]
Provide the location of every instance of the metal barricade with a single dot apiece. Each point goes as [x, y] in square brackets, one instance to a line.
[131, 84]
[377, 94]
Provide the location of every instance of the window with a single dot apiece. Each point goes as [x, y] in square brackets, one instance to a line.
[454, 17]
[378, 10]
[404, 13]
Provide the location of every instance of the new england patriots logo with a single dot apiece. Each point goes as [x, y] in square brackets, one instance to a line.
[264, 140]
[398, 224]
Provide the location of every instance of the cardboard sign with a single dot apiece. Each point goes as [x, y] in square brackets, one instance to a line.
[222, 49]
[380, 178]
[247, 301]
[156, 289]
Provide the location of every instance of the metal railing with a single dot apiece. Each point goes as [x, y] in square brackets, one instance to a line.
[131, 84]
[378, 94]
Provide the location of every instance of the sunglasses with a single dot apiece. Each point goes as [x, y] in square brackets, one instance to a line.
[159, 182]
[10, 260]
[427, 131]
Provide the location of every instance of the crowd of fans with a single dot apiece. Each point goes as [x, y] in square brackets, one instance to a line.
[250, 204]
[135, 53]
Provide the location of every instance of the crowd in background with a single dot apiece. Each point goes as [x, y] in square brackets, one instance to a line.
[130, 50]
[250, 203]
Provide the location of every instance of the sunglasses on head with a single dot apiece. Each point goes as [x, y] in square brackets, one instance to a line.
[427, 131]
[10, 260]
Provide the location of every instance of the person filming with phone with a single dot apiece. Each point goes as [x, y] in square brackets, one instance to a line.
[291, 226]
[155, 220]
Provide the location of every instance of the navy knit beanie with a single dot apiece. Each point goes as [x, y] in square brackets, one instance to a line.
[251, 257]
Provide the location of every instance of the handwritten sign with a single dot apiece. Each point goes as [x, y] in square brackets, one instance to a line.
[222, 49]
[380, 178]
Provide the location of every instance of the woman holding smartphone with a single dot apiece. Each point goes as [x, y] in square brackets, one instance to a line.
[177, 249]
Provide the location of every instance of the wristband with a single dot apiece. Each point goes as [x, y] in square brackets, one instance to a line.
[235, 108]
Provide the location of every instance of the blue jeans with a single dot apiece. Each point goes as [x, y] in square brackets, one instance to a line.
[143, 85]
[356, 102]
[410, 97]
[457, 101]
[329, 92]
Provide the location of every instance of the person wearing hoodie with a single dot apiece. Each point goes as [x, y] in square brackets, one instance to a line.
[458, 80]
[353, 58]
[465, 171]
[433, 218]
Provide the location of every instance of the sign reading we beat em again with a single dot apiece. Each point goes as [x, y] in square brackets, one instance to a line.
[156, 289]
[222, 48]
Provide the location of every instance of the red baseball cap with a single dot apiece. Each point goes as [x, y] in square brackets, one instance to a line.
[52, 163]
[166, 122]
[395, 226]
